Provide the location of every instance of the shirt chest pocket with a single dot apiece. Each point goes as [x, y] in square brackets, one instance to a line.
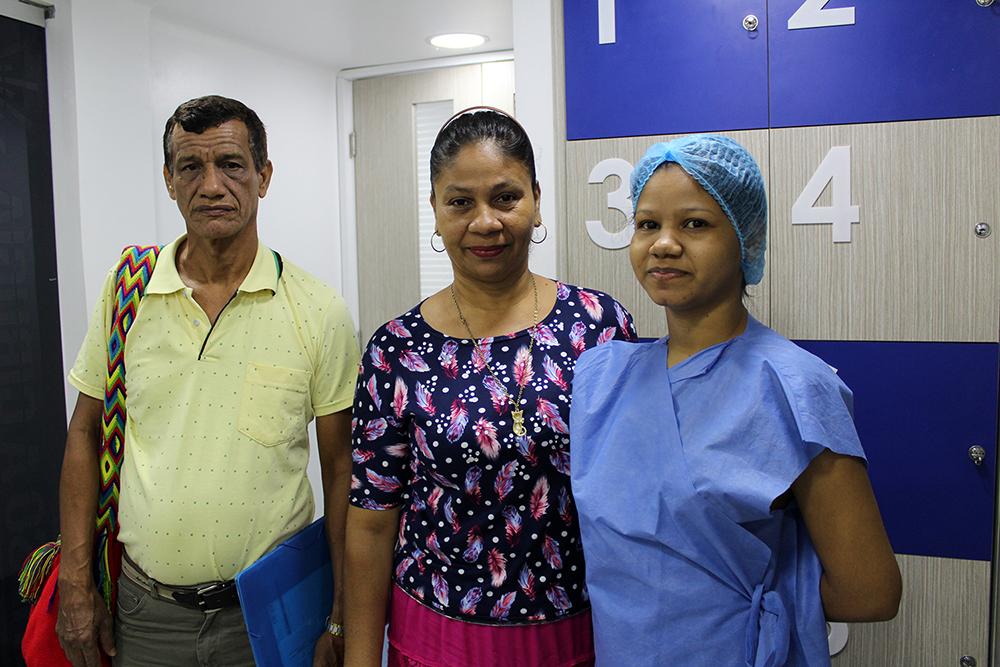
[275, 405]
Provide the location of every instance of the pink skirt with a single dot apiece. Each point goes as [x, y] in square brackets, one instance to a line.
[421, 637]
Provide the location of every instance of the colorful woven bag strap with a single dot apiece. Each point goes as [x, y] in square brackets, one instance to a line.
[134, 271]
[132, 276]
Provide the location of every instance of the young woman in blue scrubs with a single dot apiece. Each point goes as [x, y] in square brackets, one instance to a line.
[724, 502]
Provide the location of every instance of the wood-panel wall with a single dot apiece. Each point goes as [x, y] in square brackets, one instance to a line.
[914, 269]
[932, 628]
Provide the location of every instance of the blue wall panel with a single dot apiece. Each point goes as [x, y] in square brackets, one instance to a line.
[916, 60]
[674, 67]
[678, 67]
[918, 408]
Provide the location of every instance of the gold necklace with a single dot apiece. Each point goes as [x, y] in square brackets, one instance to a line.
[515, 406]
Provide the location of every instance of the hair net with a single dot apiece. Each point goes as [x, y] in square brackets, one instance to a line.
[728, 173]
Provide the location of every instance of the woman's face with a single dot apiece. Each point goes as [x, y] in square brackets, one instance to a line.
[486, 207]
[685, 252]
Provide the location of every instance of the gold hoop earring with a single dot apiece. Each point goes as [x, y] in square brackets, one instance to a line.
[541, 240]
[432, 243]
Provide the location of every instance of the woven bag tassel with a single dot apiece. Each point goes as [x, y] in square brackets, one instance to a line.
[35, 570]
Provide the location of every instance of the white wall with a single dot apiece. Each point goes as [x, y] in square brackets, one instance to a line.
[116, 72]
[534, 99]
[131, 70]
[113, 116]
[297, 102]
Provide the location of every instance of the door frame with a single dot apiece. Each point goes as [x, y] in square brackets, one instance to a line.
[14, 9]
[345, 129]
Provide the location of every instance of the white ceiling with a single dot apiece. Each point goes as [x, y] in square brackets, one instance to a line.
[347, 33]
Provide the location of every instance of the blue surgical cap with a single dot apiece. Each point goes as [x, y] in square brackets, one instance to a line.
[728, 173]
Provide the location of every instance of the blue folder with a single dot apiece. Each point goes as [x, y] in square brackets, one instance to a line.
[286, 597]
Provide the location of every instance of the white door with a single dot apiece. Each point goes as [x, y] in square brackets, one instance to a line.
[388, 189]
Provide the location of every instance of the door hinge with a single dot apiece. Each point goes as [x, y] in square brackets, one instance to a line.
[352, 144]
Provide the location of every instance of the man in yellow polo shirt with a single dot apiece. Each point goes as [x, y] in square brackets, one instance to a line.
[232, 353]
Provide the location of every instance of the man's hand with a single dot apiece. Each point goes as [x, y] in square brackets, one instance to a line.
[329, 651]
[84, 626]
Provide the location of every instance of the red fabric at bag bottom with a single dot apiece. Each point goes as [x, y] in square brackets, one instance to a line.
[40, 645]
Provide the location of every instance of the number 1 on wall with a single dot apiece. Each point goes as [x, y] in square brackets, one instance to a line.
[606, 22]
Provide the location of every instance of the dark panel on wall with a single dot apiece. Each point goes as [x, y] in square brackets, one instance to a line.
[918, 408]
[32, 402]
[674, 67]
[918, 60]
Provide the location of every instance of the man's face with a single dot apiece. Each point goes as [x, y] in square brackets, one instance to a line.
[214, 181]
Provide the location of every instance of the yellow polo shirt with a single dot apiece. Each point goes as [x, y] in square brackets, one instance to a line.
[216, 445]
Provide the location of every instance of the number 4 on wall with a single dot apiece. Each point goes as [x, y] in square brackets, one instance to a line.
[835, 170]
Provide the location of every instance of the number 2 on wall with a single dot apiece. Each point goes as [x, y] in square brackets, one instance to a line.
[812, 15]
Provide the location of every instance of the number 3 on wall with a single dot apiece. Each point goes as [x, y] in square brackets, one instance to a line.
[618, 200]
[835, 169]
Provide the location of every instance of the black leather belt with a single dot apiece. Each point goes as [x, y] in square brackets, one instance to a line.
[210, 596]
[217, 595]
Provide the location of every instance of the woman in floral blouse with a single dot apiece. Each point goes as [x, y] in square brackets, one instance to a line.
[462, 517]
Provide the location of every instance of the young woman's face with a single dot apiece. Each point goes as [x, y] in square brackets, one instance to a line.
[685, 252]
[486, 208]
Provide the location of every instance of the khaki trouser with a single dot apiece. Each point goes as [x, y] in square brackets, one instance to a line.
[150, 632]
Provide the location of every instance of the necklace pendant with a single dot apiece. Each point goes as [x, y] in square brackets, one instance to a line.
[518, 416]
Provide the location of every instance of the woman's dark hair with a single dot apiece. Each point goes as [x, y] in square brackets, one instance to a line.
[203, 113]
[478, 125]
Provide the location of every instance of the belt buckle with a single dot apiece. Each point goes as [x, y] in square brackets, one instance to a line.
[205, 594]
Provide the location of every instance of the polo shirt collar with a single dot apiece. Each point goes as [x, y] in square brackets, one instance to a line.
[263, 273]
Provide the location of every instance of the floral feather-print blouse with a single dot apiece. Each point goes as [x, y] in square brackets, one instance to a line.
[488, 529]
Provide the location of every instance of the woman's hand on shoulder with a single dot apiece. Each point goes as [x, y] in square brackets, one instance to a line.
[861, 579]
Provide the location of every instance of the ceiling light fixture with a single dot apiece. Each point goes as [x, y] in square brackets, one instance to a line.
[457, 41]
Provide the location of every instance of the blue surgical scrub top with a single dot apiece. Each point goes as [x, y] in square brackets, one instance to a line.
[674, 472]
